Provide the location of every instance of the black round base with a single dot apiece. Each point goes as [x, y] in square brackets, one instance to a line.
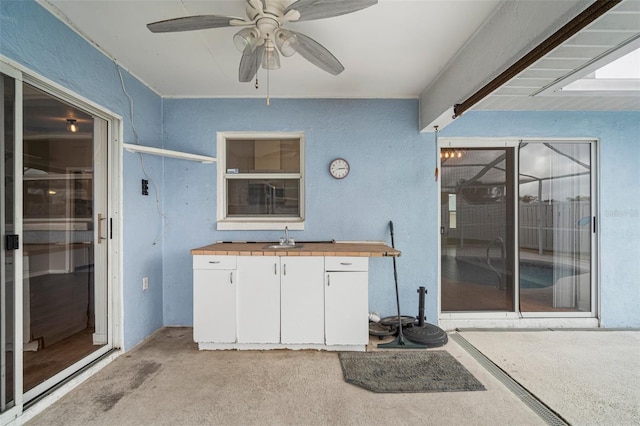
[381, 330]
[428, 334]
[393, 320]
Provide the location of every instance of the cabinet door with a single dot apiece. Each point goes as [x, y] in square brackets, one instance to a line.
[302, 300]
[346, 308]
[258, 299]
[214, 306]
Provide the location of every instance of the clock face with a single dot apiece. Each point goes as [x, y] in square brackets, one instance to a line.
[339, 168]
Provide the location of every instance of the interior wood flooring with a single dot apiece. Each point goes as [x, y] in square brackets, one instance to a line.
[45, 363]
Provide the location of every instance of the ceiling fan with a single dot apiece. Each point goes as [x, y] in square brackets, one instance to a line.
[264, 35]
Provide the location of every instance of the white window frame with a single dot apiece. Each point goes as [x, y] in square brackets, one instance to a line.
[257, 223]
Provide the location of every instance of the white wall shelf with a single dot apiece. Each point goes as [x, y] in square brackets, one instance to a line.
[168, 153]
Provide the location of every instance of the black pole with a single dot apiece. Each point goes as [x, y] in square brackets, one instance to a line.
[395, 278]
[398, 342]
[421, 317]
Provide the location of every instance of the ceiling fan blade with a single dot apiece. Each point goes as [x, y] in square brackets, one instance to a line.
[317, 54]
[319, 9]
[191, 23]
[259, 5]
[249, 63]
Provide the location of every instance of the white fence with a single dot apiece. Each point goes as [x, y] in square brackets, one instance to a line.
[559, 226]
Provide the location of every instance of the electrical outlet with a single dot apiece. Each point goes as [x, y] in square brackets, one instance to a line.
[145, 283]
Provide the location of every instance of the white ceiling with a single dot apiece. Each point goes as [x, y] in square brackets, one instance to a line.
[394, 49]
[391, 50]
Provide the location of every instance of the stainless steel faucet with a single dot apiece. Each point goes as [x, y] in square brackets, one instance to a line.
[286, 241]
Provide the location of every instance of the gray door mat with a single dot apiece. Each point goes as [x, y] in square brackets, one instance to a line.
[413, 371]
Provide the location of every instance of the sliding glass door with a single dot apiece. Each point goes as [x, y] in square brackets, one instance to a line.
[54, 257]
[10, 323]
[517, 228]
[64, 236]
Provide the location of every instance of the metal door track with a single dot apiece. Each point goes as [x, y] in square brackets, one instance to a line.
[538, 407]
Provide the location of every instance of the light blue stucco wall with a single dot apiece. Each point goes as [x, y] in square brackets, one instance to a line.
[32, 37]
[618, 135]
[390, 179]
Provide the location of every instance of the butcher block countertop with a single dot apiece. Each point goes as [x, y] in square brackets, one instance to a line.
[356, 249]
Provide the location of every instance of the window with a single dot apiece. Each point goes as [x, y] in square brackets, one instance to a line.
[260, 180]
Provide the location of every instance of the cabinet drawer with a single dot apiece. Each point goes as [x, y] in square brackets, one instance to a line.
[214, 262]
[346, 263]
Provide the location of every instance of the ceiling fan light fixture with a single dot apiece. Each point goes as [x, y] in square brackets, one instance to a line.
[246, 37]
[271, 59]
[287, 42]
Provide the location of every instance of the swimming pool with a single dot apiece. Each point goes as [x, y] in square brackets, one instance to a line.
[533, 274]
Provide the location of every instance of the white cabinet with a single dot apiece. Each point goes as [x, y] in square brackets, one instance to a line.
[275, 302]
[258, 299]
[302, 299]
[280, 299]
[214, 299]
[346, 301]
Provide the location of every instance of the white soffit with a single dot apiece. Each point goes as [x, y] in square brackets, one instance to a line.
[608, 38]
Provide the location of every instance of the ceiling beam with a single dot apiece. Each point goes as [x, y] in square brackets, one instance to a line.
[514, 29]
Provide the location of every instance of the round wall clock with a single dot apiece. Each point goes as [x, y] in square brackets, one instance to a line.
[339, 168]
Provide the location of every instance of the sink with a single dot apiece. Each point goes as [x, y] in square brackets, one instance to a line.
[283, 246]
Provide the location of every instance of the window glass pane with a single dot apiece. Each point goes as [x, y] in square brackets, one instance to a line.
[66, 301]
[555, 227]
[476, 236]
[260, 197]
[263, 156]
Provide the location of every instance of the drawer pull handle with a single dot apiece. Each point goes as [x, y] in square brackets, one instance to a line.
[214, 261]
[346, 263]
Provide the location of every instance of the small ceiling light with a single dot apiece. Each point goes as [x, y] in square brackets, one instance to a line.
[72, 125]
[451, 153]
[271, 59]
[246, 37]
[287, 42]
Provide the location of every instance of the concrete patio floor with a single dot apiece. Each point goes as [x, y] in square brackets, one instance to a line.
[587, 377]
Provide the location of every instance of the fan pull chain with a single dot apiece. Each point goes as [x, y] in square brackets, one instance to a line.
[257, 73]
[268, 99]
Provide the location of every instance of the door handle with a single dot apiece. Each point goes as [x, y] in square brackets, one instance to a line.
[284, 269]
[328, 280]
[230, 277]
[100, 219]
